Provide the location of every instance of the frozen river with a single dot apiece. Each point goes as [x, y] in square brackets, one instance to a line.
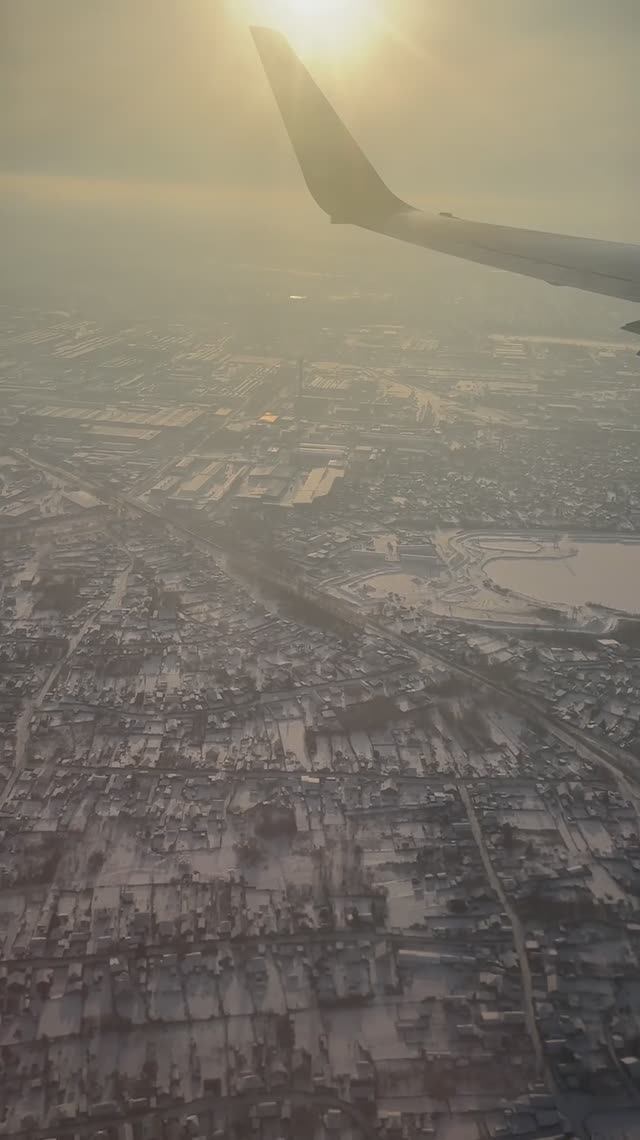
[606, 573]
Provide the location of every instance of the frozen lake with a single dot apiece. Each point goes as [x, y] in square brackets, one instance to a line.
[606, 573]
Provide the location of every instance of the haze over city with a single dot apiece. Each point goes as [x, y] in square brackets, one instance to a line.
[319, 570]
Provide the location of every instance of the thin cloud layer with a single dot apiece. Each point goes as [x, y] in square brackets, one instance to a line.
[517, 110]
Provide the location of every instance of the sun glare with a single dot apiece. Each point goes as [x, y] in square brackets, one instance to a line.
[331, 28]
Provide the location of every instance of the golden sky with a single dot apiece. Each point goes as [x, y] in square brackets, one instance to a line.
[522, 111]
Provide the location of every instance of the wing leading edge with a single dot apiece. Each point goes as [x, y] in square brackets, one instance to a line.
[348, 188]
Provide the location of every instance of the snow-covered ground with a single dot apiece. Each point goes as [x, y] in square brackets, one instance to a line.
[603, 573]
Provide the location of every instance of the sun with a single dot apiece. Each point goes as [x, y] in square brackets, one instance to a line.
[329, 28]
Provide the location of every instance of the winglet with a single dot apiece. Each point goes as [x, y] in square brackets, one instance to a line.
[338, 174]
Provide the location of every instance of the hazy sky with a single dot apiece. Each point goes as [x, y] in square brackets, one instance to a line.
[133, 112]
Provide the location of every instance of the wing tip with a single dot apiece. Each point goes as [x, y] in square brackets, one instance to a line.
[338, 174]
[263, 35]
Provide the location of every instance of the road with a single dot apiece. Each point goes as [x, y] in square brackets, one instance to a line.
[516, 926]
[233, 1103]
[603, 753]
[261, 700]
[400, 938]
[565, 1104]
[600, 752]
[33, 703]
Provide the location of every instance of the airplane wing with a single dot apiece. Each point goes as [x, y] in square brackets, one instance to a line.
[347, 187]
